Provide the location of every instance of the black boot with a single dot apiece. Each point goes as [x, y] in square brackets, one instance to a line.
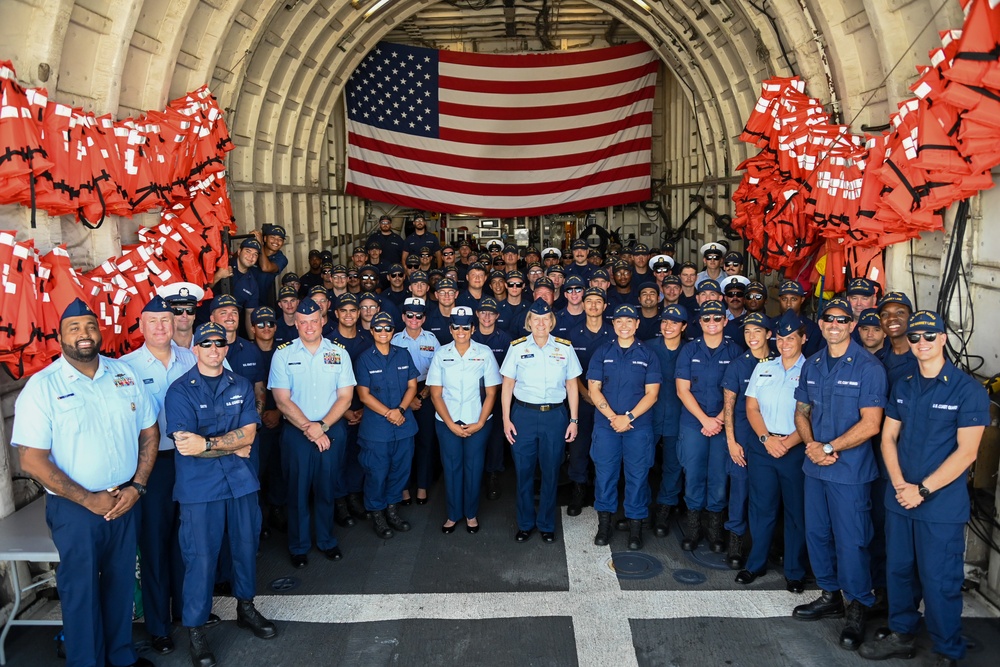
[634, 534]
[201, 653]
[493, 485]
[715, 533]
[356, 507]
[893, 645]
[734, 555]
[661, 520]
[692, 530]
[576, 499]
[881, 606]
[247, 616]
[276, 519]
[381, 527]
[830, 604]
[853, 633]
[395, 521]
[341, 514]
[603, 537]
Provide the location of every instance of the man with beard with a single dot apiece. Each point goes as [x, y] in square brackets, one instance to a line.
[396, 292]
[622, 291]
[671, 288]
[649, 311]
[421, 238]
[390, 241]
[580, 266]
[87, 431]
[313, 276]
[183, 299]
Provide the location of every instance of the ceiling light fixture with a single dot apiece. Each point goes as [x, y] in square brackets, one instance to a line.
[374, 8]
[643, 4]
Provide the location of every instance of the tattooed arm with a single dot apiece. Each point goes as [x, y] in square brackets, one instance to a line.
[192, 444]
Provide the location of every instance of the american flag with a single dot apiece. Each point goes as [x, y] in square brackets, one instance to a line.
[501, 135]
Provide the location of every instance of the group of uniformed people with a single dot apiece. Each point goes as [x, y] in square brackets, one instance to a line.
[353, 388]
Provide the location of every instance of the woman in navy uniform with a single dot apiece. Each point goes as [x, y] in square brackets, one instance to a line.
[624, 379]
[775, 455]
[667, 414]
[387, 384]
[934, 423]
[701, 443]
[539, 374]
[756, 331]
[458, 371]
[213, 420]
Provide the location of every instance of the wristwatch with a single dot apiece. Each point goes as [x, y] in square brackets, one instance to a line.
[142, 489]
[827, 449]
[924, 491]
[209, 443]
[323, 425]
[763, 438]
[574, 421]
[631, 417]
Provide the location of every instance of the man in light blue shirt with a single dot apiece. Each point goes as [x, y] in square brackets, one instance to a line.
[157, 364]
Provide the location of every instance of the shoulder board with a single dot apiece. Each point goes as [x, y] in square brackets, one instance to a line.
[283, 345]
[336, 344]
[563, 341]
[518, 341]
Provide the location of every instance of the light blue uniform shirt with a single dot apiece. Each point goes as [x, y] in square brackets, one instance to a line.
[312, 378]
[421, 350]
[774, 388]
[460, 378]
[91, 427]
[540, 373]
[156, 379]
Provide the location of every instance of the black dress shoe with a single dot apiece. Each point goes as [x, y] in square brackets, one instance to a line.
[264, 533]
[576, 499]
[212, 621]
[524, 535]
[472, 530]
[548, 538]
[448, 530]
[853, 634]
[333, 554]
[747, 577]
[162, 645]
[422, 501]
[201, 652]
[893, 645]
[406, 502]
[299, 561]
[493, 485]
[830, 604]
[794, 586]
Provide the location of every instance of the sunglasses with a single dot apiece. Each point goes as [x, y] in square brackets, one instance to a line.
[327, 272]
[447, 254]
[713, 258]
[414, 316]
[463, 327]
[755, 297]
[734, 264]
[381, 328]
[734, 295]
[572, 290]
[183, 311]
[215, 342]
[839, 319]
[352, 276]
[515, 285]
[661, 270]
[368, 277]
[929, 336]
[265, 325]
[712, 318]
[396, 274]
[369, 307]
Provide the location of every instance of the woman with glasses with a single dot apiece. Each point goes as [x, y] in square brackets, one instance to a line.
[458, 373]
[422, 345]
[515, 305]
[775, 455]
[387, 385]
[539, 374]
[701, 442]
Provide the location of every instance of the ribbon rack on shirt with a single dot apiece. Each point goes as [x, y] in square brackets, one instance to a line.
[66, 161]
[817, 190]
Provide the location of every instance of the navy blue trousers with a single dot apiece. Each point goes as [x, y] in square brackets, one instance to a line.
[704, 463]
[739, 483]
[162, 571]
[540, 442]
[352, 475]
[95, 579]
[424, 451]
[610, 450]
[877, 548]
[777, 483]
[462, 461]
[273, 473]
[387, 469]
[925, 561]
[838, 531]
[496, 441]
[312, 470]
[670, 469]
[579, 449]
[203, 527]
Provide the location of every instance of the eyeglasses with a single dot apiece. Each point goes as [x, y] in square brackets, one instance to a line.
[369, 307]
[396, 274]
[382, 328]
[183, 311]
[929, 336]
[215, 342]
[414, 316]
[265, 325]
[463, 327]
[712, 318]
[755, 297]
[327, 273]
[734, 295]
[839, 319]
[728, 264]
[515, 285]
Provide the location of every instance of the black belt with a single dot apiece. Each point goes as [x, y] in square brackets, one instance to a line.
[165, 453]
[779, 435]
[541, 407]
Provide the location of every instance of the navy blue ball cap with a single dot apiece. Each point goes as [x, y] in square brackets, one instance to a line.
[789, 323]
[290, 277]
[369, 296]
[208, 330]
[860, 287]
[758, 320]
[413, 261]
[540, 307]
[384, 320]
[395, 268]
[347, 299]
[339, 268]
[510, 249]
[626, 310]
[733, 257]
[756, 286]
[600, 274]
[326, 256]
[925, 320]
[791, 287]
[368, 269]
[488, 305]
[895, 297]
[671, 279]
[712, 308]
[869, 318]
[374, 244]
[573, 281]
[475, 266]
[674, 313]
[223, 301]
[544, 282]
[497, 274]
[579, 244]
[319, 289]
[78, 308]
[287, 292]
[359, 250]
[446, 283]
[314, 253]
[837, 303]
[157, 305]
[595, 291]
[307, 307]
[515, 274]
[557, 268]
[263, 314]
[709, 285]
[462, 316]
[640, 249]
[418, 277]
[649, 284]
[273, 230]
[251, 243]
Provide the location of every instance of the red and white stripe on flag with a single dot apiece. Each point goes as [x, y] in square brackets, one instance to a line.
[501, 135]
